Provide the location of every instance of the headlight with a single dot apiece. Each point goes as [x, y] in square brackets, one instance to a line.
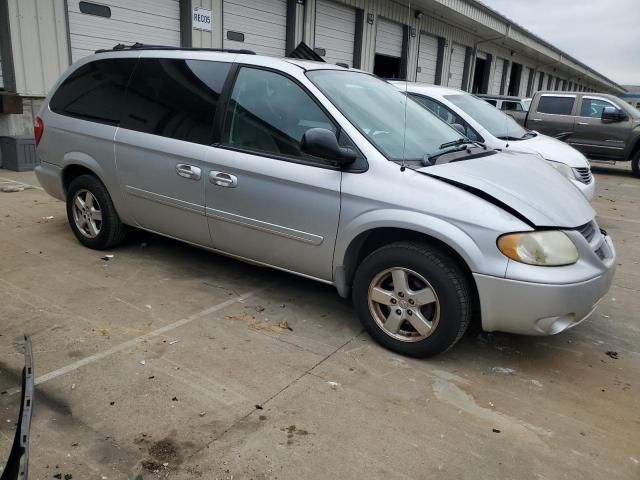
[548, 248]
[564, 169]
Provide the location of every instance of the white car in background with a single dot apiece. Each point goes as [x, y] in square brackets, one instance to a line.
[484, 123]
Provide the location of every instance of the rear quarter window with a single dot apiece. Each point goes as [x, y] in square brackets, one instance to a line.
[95, 91]
[556, 105]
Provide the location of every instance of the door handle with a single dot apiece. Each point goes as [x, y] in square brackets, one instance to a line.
[583, 123]
[536, 119]
[188, 171]
[222, 179]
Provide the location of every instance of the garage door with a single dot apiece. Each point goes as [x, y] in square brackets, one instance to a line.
[258, 25]
[1, 77]
[93, 26]
[427, 59]
[389, 38]
[335, 32]
[497, 76]
[456, 65]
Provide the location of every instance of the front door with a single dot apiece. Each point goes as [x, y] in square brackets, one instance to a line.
[598, 139]
[265, 199]
[161, 146]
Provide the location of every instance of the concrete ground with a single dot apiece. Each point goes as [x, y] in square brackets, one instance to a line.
[166, 361]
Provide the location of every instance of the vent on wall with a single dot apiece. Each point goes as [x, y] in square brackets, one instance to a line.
[235, 36]
[95, 9]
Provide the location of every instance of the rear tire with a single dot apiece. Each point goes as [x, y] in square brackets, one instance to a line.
[91, 214]
[635, 164]
[412, 298]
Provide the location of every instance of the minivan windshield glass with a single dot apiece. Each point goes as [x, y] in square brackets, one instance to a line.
[497, 123]
[377, 110]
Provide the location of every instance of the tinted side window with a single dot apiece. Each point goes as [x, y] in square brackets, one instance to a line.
[174, 98]
[270, 113]
[593, 108]
[512, 106]
[95, 91]
[446, 115]
[492, 102]
[556, 105]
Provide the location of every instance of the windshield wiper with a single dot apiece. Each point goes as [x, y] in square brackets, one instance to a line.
[507, 138]
[459, 141]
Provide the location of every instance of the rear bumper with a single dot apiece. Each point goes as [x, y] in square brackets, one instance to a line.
[50, 177]
[529, 308]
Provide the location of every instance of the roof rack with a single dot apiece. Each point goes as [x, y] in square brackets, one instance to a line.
[143, 46]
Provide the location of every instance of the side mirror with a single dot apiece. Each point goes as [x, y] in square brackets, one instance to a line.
[323, 143]
[460, 128]
[612, 114]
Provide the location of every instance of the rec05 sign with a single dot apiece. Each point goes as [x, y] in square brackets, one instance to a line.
[201, 19]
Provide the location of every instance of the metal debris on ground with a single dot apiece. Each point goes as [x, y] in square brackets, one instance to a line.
[15, 188]
[173, 342]
[107, 257]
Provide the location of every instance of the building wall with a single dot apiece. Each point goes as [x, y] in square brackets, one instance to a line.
[39, 43]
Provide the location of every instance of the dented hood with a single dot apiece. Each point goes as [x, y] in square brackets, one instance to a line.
[522, 183]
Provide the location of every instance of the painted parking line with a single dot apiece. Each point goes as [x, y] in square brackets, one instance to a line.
[147, 336]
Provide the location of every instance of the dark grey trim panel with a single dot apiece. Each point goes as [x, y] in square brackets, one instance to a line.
[290, 233]
[290, 40]
[442, 42]
[6, 48]
[186, 31]
[357, 41]
[164, 200]
[468, 53]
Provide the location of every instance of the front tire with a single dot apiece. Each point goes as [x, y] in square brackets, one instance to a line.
[412, 298]
[91, 214]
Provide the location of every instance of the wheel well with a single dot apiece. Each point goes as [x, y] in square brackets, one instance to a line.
[71, 172]
[368, 242]
[635, 149]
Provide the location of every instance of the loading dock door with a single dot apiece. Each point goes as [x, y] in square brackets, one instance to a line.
[427, 59]
[258, 25]
[388, 59]
[109, 22]
[456, 65]
[335, 32]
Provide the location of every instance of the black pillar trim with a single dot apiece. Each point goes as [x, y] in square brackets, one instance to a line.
[359, 37]
[468, 53]
[290, 42]
[440, 60]
[404, 59]
[6, 49]
[186, 28]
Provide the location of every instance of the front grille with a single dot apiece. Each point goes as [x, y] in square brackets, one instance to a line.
[583, 175]
[587, 230]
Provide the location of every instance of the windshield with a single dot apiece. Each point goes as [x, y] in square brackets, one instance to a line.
[497, 123]
[377, 110]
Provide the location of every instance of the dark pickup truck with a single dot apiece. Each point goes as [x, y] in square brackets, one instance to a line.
[601, 126]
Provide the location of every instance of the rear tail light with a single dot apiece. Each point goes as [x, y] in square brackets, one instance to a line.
[38, 129]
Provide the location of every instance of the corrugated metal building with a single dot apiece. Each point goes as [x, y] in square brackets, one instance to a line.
[460, 43]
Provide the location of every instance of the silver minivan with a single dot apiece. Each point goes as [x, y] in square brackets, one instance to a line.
[329, 173]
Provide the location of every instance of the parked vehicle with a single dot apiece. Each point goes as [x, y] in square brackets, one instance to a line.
[601, 126]
[308, 167]
[515, 107]
[483, 123]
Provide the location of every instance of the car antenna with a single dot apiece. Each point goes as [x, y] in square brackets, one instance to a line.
[403, 167]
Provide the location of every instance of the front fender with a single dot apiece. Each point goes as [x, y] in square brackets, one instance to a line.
[444, 231]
